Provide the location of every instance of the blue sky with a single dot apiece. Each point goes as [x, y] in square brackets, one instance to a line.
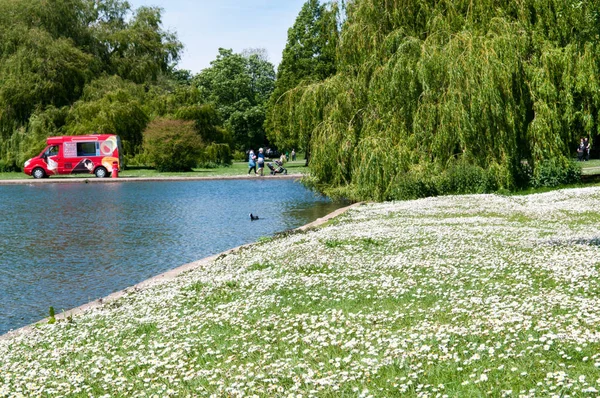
[205, 25]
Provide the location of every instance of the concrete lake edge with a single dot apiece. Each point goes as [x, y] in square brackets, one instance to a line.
[165, 276]
[94, 180]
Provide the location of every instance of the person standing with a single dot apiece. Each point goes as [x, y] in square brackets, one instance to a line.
[580, 150]
[588, 147]
[261, 161]
[293, 154]
[251, 162]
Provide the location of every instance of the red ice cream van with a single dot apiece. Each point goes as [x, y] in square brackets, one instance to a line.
[85, 154]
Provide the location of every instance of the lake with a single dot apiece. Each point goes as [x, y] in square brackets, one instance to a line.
[64, 245]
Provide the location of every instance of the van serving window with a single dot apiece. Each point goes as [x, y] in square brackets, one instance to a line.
[86, 149]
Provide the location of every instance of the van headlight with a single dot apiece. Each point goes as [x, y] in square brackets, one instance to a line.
[27, 163]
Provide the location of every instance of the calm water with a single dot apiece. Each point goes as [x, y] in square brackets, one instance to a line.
[64, 245]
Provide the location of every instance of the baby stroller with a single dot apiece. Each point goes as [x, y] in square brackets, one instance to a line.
[277, 169]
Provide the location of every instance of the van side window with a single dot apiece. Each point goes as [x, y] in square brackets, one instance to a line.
[52, 151]
[86, 149]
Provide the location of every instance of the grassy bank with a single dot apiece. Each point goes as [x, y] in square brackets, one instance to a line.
[461, 296]
[237, 168]
[591, 167]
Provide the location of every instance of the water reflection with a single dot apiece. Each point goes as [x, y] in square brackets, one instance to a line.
[67, 244]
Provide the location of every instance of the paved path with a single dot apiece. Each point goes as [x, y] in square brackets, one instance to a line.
[590, 170]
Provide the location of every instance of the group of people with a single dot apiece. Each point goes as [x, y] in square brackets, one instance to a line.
[256, 163]
[583, 150]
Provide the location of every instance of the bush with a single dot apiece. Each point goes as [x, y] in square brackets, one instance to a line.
[214, 155]
[239, 156]
[553, 173]
[138, 160]
[207, 165]
[172, 145]
[413, 186]
[462, 177]
[459, 178]
[7, 166]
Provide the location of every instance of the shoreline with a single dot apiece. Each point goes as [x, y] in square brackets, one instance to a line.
[94, 180]
[163, 277]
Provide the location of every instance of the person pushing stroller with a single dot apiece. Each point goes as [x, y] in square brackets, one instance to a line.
[278, 168]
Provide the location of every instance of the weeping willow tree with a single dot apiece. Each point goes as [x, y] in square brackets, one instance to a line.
[427, 91]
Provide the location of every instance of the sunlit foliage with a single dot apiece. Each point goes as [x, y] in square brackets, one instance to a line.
[309, 57]
[238, 86]
[50, 51]
[424, 86]
[172, 145]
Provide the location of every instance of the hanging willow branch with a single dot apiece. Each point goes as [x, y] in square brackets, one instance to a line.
[426, 87]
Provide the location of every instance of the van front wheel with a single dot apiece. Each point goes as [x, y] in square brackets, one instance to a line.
[38, 172]
[101, 172]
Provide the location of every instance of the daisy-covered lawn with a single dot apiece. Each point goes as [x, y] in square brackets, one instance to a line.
[458, 296]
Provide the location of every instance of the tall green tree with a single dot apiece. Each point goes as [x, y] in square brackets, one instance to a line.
[40, 71]
[51, 50]
[238, 87]
[171, 92]
[309, 57]
[206, 121]
[425, 90]
[110, 105]
[137, 49]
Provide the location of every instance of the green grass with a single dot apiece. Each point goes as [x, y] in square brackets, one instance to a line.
[237, 168]
[591, 167]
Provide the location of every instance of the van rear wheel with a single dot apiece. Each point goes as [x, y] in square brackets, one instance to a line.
[101, 172]
[38, 172]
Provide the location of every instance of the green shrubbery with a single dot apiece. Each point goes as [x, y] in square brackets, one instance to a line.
[553, 174]
[437, 97]
[7, 166]
[239, 156]
[175, 145]
[459, 177]
[215, 155]
[414, 186]
[172, 145]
